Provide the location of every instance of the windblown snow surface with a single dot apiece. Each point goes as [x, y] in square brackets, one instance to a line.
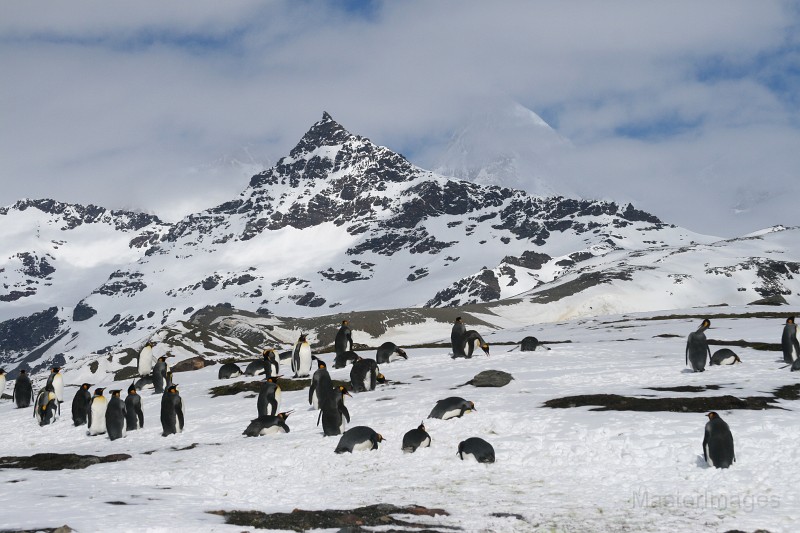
[563, 470]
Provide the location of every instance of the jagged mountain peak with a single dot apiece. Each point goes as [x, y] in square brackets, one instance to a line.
[326, 132]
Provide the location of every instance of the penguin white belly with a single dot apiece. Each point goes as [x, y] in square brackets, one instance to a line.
[342, 426]
[2, 384]
[466, 455]
[99, 405]
[305, 360]
[426, 443]
[366, 382]
[58, 387]
[452, 413]
[277, 400]
[362, 446]
[145, 361]
[395, 357]
[272, 430]
[728, 361]
[708, 456]
[314, 400]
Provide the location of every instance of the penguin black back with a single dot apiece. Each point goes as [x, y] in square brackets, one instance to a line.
[172, 416]
[477, 448]
[134, 416]
[80, 405]
[456, 336]
[416, 438]
[697, 350]
[718, 442]
[789, 342]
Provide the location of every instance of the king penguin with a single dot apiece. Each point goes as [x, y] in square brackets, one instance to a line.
[134, 416]
[789, 342]
[724, 356]
[229, 370]
[718, 442]
[357, 439]
[456, 334]
[172, 420]
[56, 381]
[344, 339]
[2, 382]
[46, 408]
[145, 364]
[364, 375]
[269, 397]
[159, 375]
[81, 403]
[23, 390]
[97, 413]
[115, 416]
[416, 438]
[471, 341]
[477, 448]
[333, 412]
[453, 407]
[342, 359]
[389, 352]
[301, 357]
[268, 365]
[321, 384]
[697, 350]
[267, 424]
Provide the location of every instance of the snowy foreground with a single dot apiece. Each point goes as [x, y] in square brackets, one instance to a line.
[564, 470]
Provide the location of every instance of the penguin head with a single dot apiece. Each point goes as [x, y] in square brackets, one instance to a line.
[99, 391]
[736, 359]
[402, 353]
[302, 338]
[267, 353]
[485, 348]
[712, 415]
[2, 372]
[471, 406]
[379, 438]
[706, 324]
[55, 369]
[285, 415]
[458, 320]
[321, 364]
[132, 389]
[272, 379]
[343, 391]
[421, 426]
[22, 372]
[173, 389]
[163, 358]
[86, 386]
[790, 320]
[380, 378]
[114, 393]
[345, 322]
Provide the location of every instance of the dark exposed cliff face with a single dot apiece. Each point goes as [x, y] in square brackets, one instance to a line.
[75, 214]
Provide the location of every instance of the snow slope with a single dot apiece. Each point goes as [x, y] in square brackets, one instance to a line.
[564, 470]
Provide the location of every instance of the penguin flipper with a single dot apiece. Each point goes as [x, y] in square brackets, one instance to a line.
[319, 417]
[345, 413]
[311, 392]
[274, 404]
[140, 415]
[179, 412]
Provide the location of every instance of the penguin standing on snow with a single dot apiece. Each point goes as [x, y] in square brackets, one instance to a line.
[364, 375]
[2, 381]
[97, 413]
[344, 339]
[357, 439]
[388, 352]
[724, 356]
[321, 385]
[718, 442]
[416, 438]
[171, 412]
[229, 370]
[301, 357]
[333, 412]
[81, 403]
[342, 359]
[267, 365]
[471, 341]
[456, 334]
[789, 342]
[134, 416]
[115, 416]
[267, 424]
[697, 350]
[46, 408]
[55, 381]
[453, 407]
[269, 397]
[145, 363]
[159, 374]
[23, 390]
[477, 448]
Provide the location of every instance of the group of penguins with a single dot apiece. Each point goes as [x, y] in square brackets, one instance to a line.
[364, 376]
[116, 416]
[718, 447]
[112, 416]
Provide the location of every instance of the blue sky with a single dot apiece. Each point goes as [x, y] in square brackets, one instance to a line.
[106, 104]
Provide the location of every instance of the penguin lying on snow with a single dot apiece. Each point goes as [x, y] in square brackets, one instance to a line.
[718, 442]
[388, 352]
[724, 357]
[267, 365]
[81, 403]
[359, 438]
[229, 370]
[342, 359]
[267, 424]
[364, 375]
[477, 448]
[416, 438]
[453, 407]
[697, 349]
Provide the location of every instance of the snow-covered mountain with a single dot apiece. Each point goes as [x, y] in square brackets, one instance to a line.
[341, 225]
